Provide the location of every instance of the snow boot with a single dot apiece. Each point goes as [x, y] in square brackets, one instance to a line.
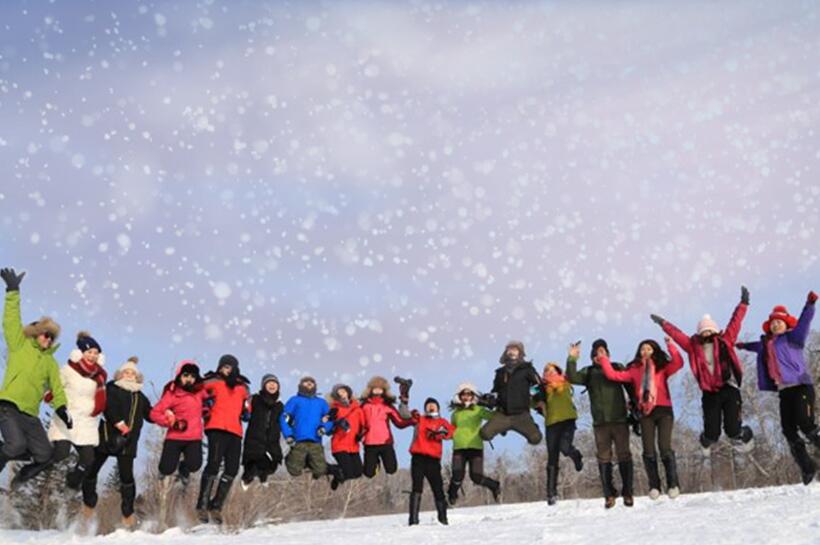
[452, 492]
[705, 446]
[650, 463]
[552, 485]
[130, 522]
[494, 487]
[670, 464]
[744, 443]
[808, 468]
[215, 506]
[605, 471]
[74, 478]
[90, 492]
[577, 459]
[441, 510]
[415, 505]
[205, 489]
[183, 476]
[627, 470]
[336, 474]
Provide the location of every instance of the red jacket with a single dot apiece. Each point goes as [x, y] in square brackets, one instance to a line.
[377, 417]
[725, 340]
[228, 405]
[347, 441]
[186, 406]
[426, 439]
[633, 374]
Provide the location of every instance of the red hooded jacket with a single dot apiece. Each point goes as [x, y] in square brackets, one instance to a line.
[186, 405]
[377, 417]
[347, 441]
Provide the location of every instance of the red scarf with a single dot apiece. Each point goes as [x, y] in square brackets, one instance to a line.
[97, 374]
[648, 392]
[771, 360]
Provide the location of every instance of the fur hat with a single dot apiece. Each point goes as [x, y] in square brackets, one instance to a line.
[43, 325]
[707, 324]
[130, 364]
[378, 382]
[303, 390]
[270, 377]
[513, 344]
[86, 342]
[456, 401]
[334, 393]
[779, 313]
[599, 343]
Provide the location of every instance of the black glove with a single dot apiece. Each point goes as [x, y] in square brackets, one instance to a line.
[487, 400]
[343, 424]
[404, 386]
[12, 279]
[360, 436]
[657, 319]
[62, 413]
[744, 295]
[333, 413]
[180, 425]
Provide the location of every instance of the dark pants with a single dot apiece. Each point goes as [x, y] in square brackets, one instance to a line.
[500, 423]
[125, 471]
[373, 454]
[23, 435]
[224, 447]
[797, 412]
[605, 436]
[350, 463]
[474, 458]
[426, 467]
[658, 423]
[262, 468]
[559, 441]
[63, 448]
[721, 406]
[173, 450]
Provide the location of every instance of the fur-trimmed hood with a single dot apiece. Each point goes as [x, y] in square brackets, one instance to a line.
[379, 382]
[334, 393]
[456, 401]
[43, 325]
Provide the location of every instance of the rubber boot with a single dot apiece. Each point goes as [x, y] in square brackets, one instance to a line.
[627, 470]
[415, 505]
[605, 471]
[441, 510]
[670, 464]
[552, 485]
[205, 489]
[651, 465]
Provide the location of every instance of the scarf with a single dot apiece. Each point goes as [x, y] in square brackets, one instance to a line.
[648, 393]
[772, 365]
[556, 383]
[97, 374]
[128, 385]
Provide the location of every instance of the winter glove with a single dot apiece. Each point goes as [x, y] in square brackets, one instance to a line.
[415, 415]
[812, 298]
[180, 425]
[744, 295]
[333, 414]
[404, 387]
[657, 319]
[290, 440]
[62, 413]
[343, 424]
[246, 416]
[12, 279]
[487, 400]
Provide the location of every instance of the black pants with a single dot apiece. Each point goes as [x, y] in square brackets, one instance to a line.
[373, 454]
[426, 467]
[225, 447]
[262, 468]
[350, 463]
[474, 458]
[63, 448]
[125, 471]
[721, 406]
[797, 411]
[173, 450]
[559, 441]
[657, 424]
[23, 435]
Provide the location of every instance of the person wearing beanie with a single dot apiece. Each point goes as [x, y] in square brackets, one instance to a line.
[262, 453]
[181, 411]
[304, 422]
[718, 372]
[228, 395]
[31, 371]
[468, 447]
[610, 424]
[782, 368]
[84, 383]
[348, 425]
[126, 410]
[430, 430]
[512, 386]
[649, 375]
[379, 411]
[554, 402]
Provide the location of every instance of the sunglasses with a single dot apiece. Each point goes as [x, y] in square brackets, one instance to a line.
[48, 336]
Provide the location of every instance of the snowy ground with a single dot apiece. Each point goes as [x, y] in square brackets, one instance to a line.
[786, 515]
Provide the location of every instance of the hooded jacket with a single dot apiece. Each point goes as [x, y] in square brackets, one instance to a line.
[186, 405]
[264, 431]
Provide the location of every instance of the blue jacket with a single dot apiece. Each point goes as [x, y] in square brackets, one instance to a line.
[302, 418]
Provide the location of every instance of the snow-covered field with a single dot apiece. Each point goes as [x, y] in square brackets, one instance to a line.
[788, 515]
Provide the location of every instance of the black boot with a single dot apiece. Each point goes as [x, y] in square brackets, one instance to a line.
[337, 476]
[441, 509]
[494, 487]
[215, 506]
[128, 493]
[206, 486]
[627, 470]
[74, 478]
[577, 459]
[651, 465]
[452, 492]
[605, 470]
[552, 485]
[808, 468]
[670, 464]
[28, 472]
[415, 505]
[183, 475]
[90, 492]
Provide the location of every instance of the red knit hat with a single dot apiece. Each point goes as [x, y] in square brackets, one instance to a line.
[779, 313]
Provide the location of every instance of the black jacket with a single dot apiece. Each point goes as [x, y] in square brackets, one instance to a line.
[132, 408]
[512, 384]
[263, 433]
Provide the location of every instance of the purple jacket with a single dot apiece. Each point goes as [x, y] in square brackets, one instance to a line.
[788, 349]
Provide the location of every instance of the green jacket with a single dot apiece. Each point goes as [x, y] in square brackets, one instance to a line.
[605, 396]
[558, 407]
[30, 371]
[468, 423]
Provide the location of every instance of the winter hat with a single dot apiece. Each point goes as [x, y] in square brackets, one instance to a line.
[779, 313]
[431, 400]
[41, 326]
[268, 378]
[188, 366]
[130, 364]
[513, 344]
[230, 361]
[86, 342]
[707, 324]
[334, 393]
[303, 389]
[599, 343]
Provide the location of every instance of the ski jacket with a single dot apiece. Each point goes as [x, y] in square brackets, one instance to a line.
[228, 403]
[513, 387]
[347, 441]
[378, 415]
[606, 397]
[427, 441]
[186, 405]
[264, 432]
[302, 418]
[467, 422]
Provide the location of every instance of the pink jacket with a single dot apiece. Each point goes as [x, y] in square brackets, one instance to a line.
[185, 405]
[377, 418]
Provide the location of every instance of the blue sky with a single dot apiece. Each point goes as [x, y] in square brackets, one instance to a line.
[351, 188]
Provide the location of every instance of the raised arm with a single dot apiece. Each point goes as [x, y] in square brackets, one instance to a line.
[55, 384]
[398, 420]
[614, 374]
[673, 331]
[755, 346]
[12, 323]
[800, 333]
[732, 330]
[677, 361]
[573, 374]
